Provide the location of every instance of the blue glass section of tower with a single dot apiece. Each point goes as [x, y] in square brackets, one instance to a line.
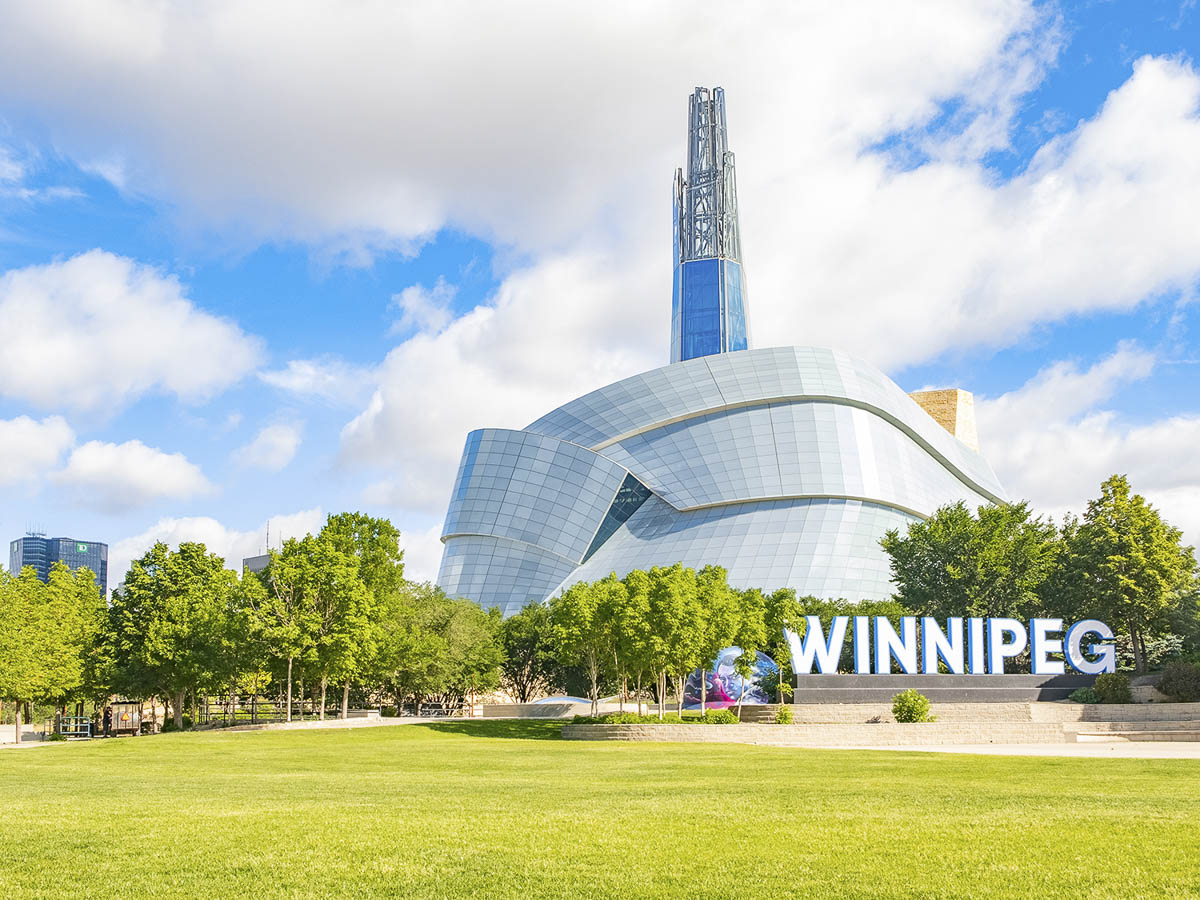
[708, 309]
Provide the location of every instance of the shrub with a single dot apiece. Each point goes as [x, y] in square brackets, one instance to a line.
[911, 706]
[717, 717]
[1084, 695]
[1113, 687]
[56, 736]
[1181, 681]
[784, 715]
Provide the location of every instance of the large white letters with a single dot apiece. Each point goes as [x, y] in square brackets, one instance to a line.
[903, 646]
[1000, 650]
[813, 644]
[937, 643]
[980, 648]
[1040, 645]
[1106, 654]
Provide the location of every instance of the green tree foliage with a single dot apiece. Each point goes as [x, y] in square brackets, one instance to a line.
[719, 618]
[436, 647]
[165, 628]
[994, 563]
[783, 611]
[751, 635]
[1130, 566]
[47, 633]
[581, 619]
[528, 667]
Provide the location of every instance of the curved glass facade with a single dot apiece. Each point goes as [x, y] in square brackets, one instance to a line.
[784, 465]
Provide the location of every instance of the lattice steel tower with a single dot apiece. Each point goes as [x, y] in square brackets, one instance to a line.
[708, 310]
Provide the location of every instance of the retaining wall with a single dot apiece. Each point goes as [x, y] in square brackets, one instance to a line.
[830, 735]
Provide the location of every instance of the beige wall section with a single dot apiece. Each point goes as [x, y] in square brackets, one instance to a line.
[954, 410]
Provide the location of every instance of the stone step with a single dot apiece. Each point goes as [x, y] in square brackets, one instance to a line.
[1118, 737]
[1144, 725]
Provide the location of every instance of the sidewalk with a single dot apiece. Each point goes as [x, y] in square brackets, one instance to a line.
[1118, 750]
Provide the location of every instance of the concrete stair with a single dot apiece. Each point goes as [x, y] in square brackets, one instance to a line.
[1119, 732]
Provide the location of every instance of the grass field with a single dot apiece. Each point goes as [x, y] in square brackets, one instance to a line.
[507, 810]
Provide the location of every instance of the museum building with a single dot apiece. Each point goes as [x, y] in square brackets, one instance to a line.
[785, 465]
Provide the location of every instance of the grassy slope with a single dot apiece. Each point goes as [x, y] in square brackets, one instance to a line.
[507, 810]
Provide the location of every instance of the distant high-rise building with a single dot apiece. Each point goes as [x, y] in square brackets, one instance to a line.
[256, 563]
[42, 553]
[708, 310]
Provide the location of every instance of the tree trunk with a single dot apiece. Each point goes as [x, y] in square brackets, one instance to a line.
[346, 699]
[637, 688]
[679, 683]
[624, 690]
[177, 709]
[17, 720]
[1139, 657]
[741, 694]
[703, 688]
[594, 674]
[300, 693]
[289, 690]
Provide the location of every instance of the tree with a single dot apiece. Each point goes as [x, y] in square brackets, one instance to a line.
[992, 564]
[528, 668]
[751, 635]
[676, 626]
[19, 622]
[782, 612]
[718, 621]
[633, 637]
[164, 628]
[1132, 563]
[375, 545]
[582, 629]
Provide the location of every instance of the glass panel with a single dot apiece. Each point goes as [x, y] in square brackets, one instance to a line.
[630, 495]
[701, 289]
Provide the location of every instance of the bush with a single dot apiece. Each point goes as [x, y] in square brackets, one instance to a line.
[56, 736]
[911, 706]
[784, 715]
[1084, 695]
[717, 717]
[1181, 681]
[1113, 687]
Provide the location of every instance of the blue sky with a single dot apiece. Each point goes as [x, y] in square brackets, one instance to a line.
[261, 264]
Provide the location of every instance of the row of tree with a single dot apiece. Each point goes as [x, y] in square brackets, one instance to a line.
[333, 610]
[330, 609]
[655, 628]
[1121, 563]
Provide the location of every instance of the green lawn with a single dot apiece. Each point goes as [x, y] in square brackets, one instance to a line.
[508, 810]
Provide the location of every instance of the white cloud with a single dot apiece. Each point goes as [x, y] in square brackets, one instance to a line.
[1053, 442]
[28, 448]
[272, 448]
[12, 170]
[232, 545]
[329, 379]
[117, 477]
[422, 553]
[422, 308]
[276, 133]
[113, 330]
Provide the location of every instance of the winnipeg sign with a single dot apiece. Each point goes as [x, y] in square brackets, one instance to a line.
[972, 646]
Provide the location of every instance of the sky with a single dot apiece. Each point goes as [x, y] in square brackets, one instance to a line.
[265, 261]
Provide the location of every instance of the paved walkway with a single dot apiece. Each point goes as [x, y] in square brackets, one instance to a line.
[1116, 750]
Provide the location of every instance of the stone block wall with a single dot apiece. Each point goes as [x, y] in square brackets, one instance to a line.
[954, 410]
